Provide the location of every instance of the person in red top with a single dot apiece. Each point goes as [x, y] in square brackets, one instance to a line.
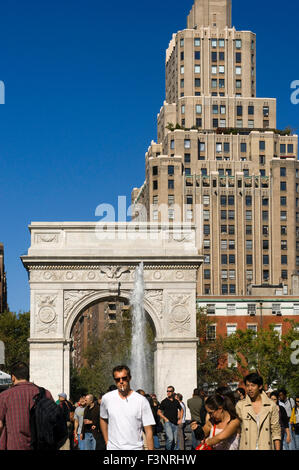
[15, 404]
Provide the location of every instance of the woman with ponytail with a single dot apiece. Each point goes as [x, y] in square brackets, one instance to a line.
[222, 428]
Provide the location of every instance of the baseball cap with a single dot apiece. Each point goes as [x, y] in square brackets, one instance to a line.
[63, 395]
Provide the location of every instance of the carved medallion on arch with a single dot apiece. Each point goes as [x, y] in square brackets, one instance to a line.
[179, 313]
[46, 318]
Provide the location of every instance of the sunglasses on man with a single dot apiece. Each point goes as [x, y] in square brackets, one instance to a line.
[125, 379]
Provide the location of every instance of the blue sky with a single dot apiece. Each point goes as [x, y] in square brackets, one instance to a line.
[84, 83]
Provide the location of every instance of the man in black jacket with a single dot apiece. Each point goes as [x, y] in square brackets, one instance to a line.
[91, 433]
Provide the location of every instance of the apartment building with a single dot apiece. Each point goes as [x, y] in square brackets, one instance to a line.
[221, 163]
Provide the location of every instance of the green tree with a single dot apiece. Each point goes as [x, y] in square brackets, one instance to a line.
[104, 353]
[211, 355]
[14, 332]
[266, 353]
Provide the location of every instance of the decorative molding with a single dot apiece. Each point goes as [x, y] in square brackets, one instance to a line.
[46, 237]
[114, 272]
[46, 319]
[155, 298]
[72, 297]
[179, 316]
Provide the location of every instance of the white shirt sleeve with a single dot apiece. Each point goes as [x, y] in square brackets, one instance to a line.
[103, 409]
[147, 415]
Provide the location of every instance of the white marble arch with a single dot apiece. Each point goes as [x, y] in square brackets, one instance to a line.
[102, 295]
[71, 267]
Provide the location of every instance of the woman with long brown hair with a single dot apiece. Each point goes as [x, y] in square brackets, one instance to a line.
[222, 428]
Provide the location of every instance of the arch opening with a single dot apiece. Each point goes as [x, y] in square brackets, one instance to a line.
[101, 334]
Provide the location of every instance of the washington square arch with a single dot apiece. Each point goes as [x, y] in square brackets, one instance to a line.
[71, 265]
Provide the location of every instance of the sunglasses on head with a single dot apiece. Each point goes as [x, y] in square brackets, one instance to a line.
[125, 379]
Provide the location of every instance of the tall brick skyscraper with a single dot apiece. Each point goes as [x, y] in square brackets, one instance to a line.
[218, 147]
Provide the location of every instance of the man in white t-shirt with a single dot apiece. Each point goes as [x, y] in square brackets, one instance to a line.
[124, 414]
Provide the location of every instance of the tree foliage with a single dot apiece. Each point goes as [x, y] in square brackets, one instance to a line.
[268, 354]
[211, 356]
[103, 354]
[14, 332]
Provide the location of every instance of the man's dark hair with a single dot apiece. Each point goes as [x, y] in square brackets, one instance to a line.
[241, 390]
[283, 390]
[196, 391]
[20, 370]
[171, 386]
[254, 378]
[120, 368]
[274, 394]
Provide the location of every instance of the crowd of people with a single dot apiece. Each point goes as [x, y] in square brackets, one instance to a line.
[250, 418]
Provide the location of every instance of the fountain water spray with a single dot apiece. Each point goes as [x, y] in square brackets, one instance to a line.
[139, 349]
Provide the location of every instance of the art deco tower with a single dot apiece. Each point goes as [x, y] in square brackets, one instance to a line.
[218, 147]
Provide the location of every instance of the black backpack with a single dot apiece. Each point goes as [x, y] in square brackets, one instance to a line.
[47, 424]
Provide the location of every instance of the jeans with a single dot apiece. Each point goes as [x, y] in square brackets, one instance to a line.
[81, 444]
[89, 442]
[296, 441]
[292, 444]
[171, 431]
[156, 442]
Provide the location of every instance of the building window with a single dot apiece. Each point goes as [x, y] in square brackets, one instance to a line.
[249, 259]
[198, 109]
[238, 43]
[187, 143]
[283, 172]
[207, 274]
[231, 329]
[284, 245]
[283, 215]
[206, 229]
[196, 42]
[224, 259]
[250, 110]
[243, 147]
[187, 157]
[249, 245]
[283, 186]
[171, 170]
[197, 55]
[251, 309]
[155, 185]
[170, 184]
[284, 259]
[276, 309]
[252, 328]
[211, 333]
[224, 289]
[197, 82]
[207, 244]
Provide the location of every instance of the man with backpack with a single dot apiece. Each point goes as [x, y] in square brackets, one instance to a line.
[19, 429]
